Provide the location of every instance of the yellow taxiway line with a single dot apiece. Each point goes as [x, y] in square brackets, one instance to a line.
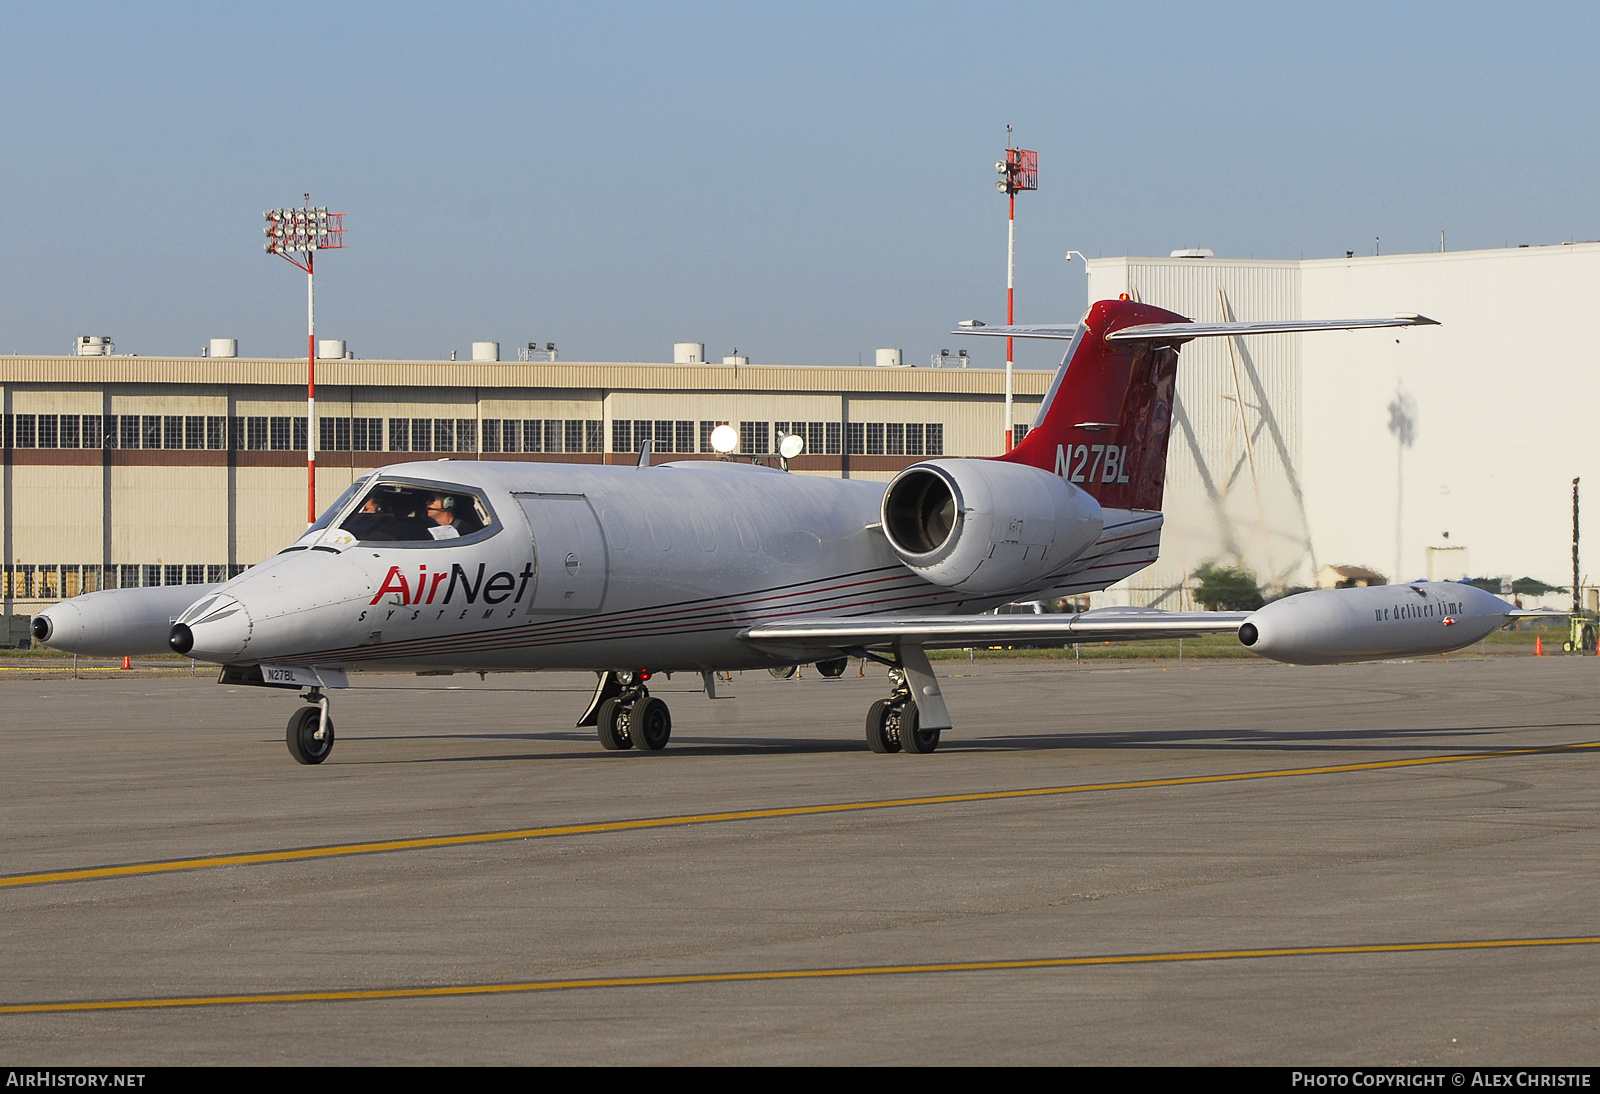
[529, 986]
[258, 858]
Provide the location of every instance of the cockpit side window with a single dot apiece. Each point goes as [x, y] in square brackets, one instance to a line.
[338, 506]
[406, 513]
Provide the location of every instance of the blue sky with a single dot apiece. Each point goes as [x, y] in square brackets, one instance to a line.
[804, 182]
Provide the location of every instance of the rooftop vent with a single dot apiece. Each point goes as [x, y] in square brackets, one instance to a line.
[1193, 252]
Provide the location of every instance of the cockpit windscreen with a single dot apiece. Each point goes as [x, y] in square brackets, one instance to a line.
[401, 513]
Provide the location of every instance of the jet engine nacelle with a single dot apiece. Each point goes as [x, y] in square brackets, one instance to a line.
[987, 527]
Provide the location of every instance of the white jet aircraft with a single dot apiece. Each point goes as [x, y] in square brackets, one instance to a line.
[708, 565]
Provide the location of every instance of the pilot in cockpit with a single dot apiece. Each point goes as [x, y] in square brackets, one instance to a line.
[398, 513]
[442, 512]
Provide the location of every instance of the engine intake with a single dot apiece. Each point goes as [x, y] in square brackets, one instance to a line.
[987, 527]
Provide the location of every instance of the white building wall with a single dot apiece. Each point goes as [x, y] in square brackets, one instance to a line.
[1504, 394]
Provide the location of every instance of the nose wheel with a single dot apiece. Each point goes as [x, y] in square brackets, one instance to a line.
[633, 718]
[310, 732]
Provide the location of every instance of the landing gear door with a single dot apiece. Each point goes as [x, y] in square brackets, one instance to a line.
[569, 553]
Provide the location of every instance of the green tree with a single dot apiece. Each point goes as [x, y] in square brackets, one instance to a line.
[1227, 588]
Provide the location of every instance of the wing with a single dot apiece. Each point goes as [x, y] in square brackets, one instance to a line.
[957, 631]
[1169, 332]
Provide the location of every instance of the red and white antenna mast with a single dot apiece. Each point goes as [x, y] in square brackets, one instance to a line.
[298, 234]
[1021, 171]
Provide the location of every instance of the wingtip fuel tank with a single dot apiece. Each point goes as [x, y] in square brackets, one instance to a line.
[1331, 626]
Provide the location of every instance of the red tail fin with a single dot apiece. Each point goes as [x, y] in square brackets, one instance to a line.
[1105, 423]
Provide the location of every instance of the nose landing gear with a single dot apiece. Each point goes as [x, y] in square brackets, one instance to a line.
[310, 732]
[630, 717]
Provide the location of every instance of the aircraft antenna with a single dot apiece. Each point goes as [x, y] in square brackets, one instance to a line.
[1020, 171]
[297, 235]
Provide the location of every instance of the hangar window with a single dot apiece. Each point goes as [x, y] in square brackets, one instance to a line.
[392, 512]
[399, 434]
[69, 431]
[366, 434]
[281, 441]
[48, 431]
[172, 431]
[754, 438]
[874, 439]
[93, 436]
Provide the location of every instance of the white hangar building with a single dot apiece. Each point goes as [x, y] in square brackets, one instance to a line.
[1438, 452]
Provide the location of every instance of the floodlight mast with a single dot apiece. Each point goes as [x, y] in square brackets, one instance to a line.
[1021, 171]
[297, 235]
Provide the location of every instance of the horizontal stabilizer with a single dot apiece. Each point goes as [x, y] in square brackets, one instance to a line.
[1182, 332]
[954, 632]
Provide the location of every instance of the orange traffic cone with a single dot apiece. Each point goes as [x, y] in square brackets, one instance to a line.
[1538, 646]
[126, 663]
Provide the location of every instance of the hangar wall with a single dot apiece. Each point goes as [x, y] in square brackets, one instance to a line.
[1500, 398]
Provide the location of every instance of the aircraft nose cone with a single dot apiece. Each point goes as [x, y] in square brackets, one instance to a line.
[217, 630]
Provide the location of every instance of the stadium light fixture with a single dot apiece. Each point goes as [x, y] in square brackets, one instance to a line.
[297, 235]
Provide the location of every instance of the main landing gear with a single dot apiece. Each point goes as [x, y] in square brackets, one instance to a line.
[913, 716]
[625, 715]
[310, 733]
